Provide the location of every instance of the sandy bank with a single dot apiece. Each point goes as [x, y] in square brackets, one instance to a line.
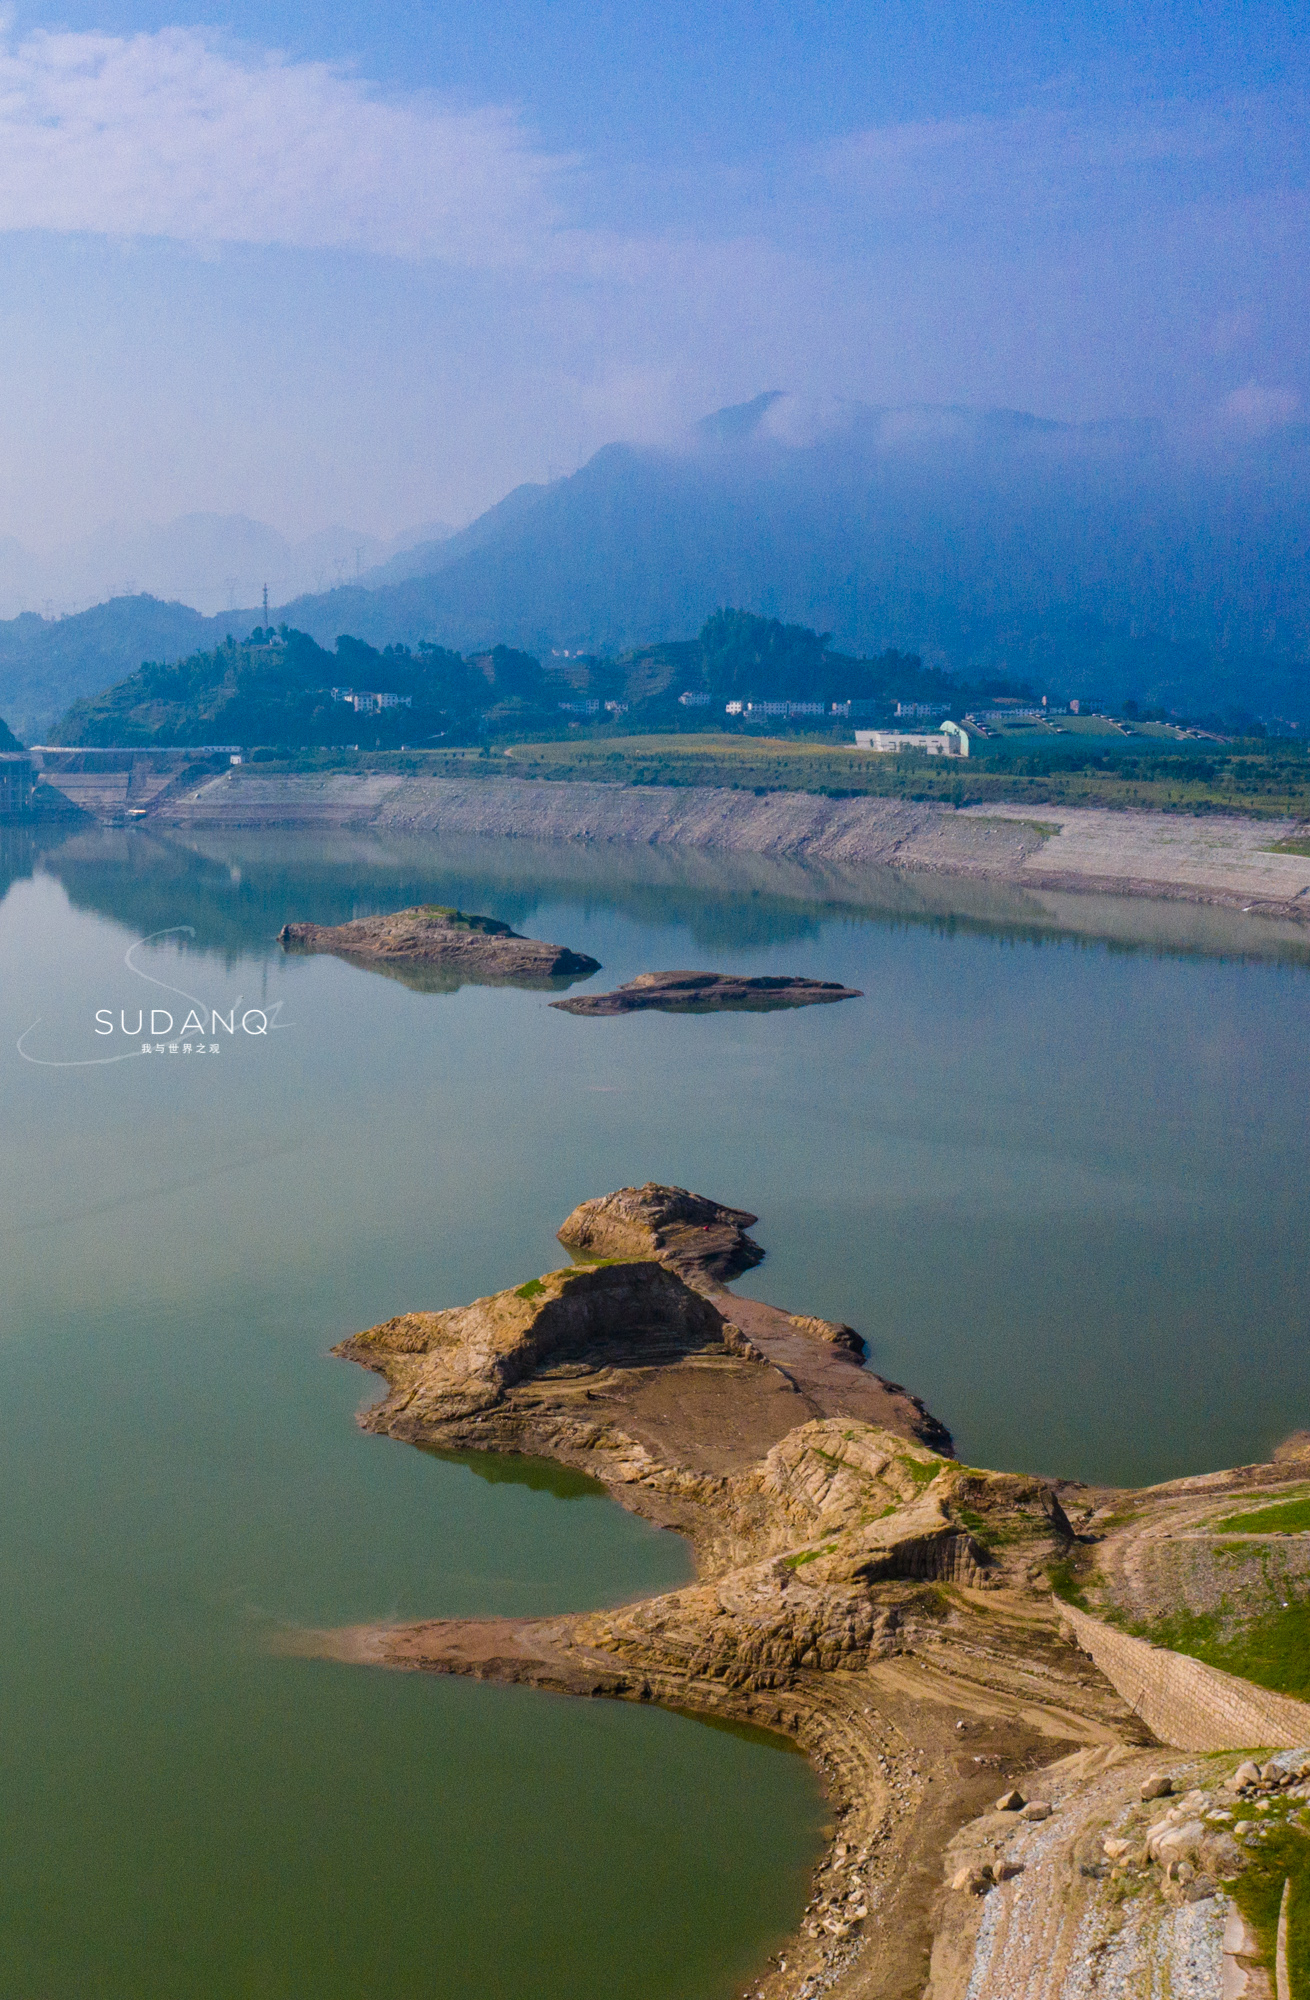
[1215, 859]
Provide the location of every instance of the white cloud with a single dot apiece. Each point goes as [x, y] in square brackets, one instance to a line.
[1257, 408]
[167, 135]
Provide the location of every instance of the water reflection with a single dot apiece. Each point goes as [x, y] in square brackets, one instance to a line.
[538, 1475]
[239, 888]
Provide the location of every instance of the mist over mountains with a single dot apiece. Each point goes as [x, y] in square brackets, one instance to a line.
[1106, 558]
[1111, 559]
[210, 562]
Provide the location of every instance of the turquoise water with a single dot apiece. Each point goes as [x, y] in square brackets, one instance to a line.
[1060, 1184]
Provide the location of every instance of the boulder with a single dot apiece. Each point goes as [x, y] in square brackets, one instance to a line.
[1011, 1802]
[1158, 1787]
[1169, 1845]
[1219, 1855]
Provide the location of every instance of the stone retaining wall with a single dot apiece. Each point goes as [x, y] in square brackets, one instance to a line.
[1184, 1702]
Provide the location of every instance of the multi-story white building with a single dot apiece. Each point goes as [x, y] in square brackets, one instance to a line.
[950, 741]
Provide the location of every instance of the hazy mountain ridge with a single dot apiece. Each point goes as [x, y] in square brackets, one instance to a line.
[426, 558]
[1106, 559]
[986, 540]
[205, 560]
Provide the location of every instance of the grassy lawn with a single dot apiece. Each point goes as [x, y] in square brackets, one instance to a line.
[1090, 725]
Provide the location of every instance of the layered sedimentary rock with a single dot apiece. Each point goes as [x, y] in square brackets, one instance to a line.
[448, 940]
[858, 1588]
[708, 993]
[701, 1238]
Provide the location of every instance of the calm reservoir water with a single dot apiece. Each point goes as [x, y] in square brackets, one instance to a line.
[1054, 1166]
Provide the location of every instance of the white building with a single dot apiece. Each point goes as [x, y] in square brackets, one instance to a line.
[950, 741]
[788, 709]
[369, 703]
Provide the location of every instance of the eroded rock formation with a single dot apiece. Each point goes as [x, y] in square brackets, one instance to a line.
[700, 1238]
[450, 941]
[858, 1588]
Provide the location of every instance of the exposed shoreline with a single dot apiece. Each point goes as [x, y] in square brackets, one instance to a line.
[857, 1589]
[1223, 860]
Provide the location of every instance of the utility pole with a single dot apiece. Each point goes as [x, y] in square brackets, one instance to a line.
[266, 607]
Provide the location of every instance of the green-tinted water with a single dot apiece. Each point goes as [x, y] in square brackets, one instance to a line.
[1061, 1185]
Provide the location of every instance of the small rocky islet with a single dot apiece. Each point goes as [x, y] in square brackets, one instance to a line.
[891, 1609]
[453, 944]
[708, 993]
[431, 935]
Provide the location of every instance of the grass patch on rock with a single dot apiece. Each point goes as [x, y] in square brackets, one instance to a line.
[809, 1556]
[915, 1469]
[1272, 1651]
[1281, 1854]
[1288, 1517]
[1068, 1585]
[442, 913]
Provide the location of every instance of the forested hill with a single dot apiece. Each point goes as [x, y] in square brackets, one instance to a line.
[283, 689]
[278, 688]
[45, 663]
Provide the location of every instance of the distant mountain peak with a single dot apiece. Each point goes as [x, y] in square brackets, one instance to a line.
[739, 420]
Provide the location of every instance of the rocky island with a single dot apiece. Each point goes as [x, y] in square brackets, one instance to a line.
[1026, 1798]
[443, 940]
[708, 993]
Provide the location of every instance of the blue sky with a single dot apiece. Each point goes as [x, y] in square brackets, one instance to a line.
[378, 268]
